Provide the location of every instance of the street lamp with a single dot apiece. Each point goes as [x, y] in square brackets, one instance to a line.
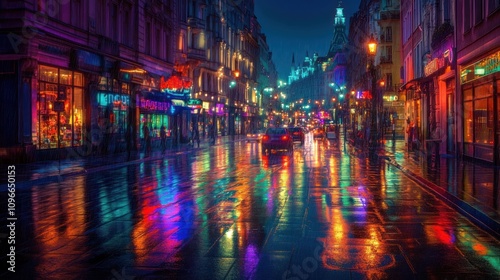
[233, 88]
[372, 51]
[267, 99]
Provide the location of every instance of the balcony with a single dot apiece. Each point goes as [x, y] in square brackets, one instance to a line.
[389, 15]
[385, 60]
[196, 54]
[443, 32]
[196, 23]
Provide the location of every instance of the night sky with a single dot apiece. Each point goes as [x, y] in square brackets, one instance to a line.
[299, 26]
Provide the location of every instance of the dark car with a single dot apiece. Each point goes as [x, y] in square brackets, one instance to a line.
[319, 133]
[277, 138]
[255, 135]
[297, 134]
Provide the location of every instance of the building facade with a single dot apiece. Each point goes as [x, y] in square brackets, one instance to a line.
[80, 78]
[393, 115]
[478, 86]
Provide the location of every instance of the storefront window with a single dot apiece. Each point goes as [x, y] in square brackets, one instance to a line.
[483, 121]
[498, 104]
[113, 112]
[154, 122]
[468, 94]
[485, 90]
[468, 124]
[59, 95]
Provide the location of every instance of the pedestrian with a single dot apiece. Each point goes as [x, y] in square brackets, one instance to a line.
[211, 132]
[393, 131]
[411, 134]
[163, 137]
[197, 137]
[147, 139]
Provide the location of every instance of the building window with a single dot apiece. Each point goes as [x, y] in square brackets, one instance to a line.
[493, 5]
[478, 115]
[60, 94]
[168, 46]
[388, 82]
[478, 11]
[101, 17]
[388, 34]
[148, 38]
[446, 11]
[467, 16]
[114, 33]
[389, 3]
[63, 13]
[127, 30]
[76, 14]
[388, 53]
[158, 44]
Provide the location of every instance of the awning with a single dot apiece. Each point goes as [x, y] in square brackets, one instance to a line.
[414, 83]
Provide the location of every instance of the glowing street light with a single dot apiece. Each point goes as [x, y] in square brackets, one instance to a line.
[372, 51]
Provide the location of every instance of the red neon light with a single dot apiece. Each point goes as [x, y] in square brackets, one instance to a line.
[174, 83]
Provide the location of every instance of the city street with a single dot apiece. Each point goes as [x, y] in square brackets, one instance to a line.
[229, 212]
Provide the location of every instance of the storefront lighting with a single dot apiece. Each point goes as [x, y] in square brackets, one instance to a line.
[479, 71]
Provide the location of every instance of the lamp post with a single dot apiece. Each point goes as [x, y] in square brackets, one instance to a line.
[264, 96]
[373, 141]
[233, 85]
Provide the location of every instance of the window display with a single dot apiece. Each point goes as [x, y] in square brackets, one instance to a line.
[155, 122]
[60, 108]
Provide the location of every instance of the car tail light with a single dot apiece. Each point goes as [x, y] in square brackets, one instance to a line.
[284, 137]
[265, 137]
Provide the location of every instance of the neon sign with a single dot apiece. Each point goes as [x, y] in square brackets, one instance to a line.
[152, 105]
[106, 98]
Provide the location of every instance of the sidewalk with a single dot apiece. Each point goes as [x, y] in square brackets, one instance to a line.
[34, 173]
[469, 187]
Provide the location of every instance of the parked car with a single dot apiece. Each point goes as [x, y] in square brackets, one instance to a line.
[297, 134]
[277, 138]
[318, 133]
[255, 136]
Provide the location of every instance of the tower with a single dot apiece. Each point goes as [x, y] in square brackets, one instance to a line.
[339, 36]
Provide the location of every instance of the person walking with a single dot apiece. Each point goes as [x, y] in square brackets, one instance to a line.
[163, 137]
[147, 139]
[211, 133]
[196, 137]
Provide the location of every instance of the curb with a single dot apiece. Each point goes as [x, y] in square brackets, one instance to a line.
[474, 215]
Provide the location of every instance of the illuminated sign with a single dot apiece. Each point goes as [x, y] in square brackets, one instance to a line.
[106, 98]
[177, 102]
[434, 65]
[175, 83]
[486, 66]
[152, 105]
[195, 103]
[390, 98]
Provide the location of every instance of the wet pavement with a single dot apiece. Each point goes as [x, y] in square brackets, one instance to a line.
[470, 187]
[229, 212]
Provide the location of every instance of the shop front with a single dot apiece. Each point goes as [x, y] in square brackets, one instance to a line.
[480, 86]
[177, 89]
[112, 110]
[216, 117]
[196, 106]
[59, 108]
[155, 113]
